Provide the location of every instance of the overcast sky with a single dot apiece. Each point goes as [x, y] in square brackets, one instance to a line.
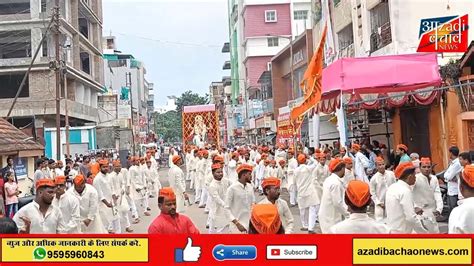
[179, 41]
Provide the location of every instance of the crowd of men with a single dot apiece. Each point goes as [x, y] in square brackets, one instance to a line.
[333, 190]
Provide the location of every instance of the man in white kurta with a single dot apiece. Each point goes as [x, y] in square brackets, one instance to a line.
[271, 189]
[357, 199]
[188, 158]
[379, 183]
[320, 173]
[108, 211]
[399, 204]
[308, 200]
[291, 184]
[153, 179]
[232, 168]
[193, 160]
[119, 183]
[128, 196]
[69, 206]
[205, 178]
[39, 216]
[361, 163]
[218, 215]
[91, 223]
[177, 182]
[139, 185]
[427, 195]
[462, 217]
[198, 177]
[349, 174]
[333, 208]
[239, 199]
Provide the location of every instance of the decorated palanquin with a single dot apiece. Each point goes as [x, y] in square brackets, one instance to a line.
[200, 125]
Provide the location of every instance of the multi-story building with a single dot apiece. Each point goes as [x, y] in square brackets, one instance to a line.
[22, 26]
[125, 78]
[259, 29]
[368, 28]
[219, 93]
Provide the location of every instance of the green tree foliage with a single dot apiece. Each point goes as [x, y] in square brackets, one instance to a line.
[168, 125]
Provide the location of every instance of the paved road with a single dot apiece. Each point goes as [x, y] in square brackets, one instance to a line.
[199, 218]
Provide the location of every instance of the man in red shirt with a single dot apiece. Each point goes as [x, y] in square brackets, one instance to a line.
[169, 221]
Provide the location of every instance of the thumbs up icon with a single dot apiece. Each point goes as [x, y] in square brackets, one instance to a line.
[190, 253]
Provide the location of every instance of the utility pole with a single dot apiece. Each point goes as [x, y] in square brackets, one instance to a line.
[128, 83]
[57, 24]
[68, 146]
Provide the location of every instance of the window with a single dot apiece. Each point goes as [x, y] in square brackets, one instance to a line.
[15, 44]
[9, 84]
[44, 48]
[43, 6]
[85, 62]
[14, 7]
[84, 27]
[270, 16]
[381, 34]
[301, 14]
[272, 42]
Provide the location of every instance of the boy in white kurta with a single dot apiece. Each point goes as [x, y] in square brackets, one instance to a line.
[119, 183]
[138, 181]
[399, 204]
[198, 177]
[91, 223]
[320, 173]
[108, 211]
[177, 182]
[240, 197]
[357, 199]
[379, 183]
[271, 189]
[291, 184]
[69, 206]
[333, 208]
[308, 201]
[462, 217]
[218, 214]
[427, 195]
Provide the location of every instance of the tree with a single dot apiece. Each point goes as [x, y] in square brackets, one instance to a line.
[166, 126]
[189, 98]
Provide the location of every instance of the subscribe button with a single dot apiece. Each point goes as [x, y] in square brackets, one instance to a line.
[293, 252]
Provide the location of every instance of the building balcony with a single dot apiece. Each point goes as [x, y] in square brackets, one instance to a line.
[267, 106]
[347, 51]
[466, 93]
[226, 48]
[381, 38]
[226, 65]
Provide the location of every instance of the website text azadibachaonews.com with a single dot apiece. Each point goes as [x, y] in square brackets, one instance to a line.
[383, 251]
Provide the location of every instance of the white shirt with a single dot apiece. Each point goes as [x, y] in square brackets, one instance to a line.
[400, 208]
[359, 223]
[238, 201]
[51, 223]
[71, 212]
[320, 173]
[103, 186]
[292, 165]
[231, 172]
[379, 184]
[285, 214]
[348, 177]
[138, 180]
[452, 177]
[279, 155]
[427, 195]
[89, 209]
[176, 180]
[361, 162]
[307, 194]
[333, 208]
[461, 220]
[217, 212]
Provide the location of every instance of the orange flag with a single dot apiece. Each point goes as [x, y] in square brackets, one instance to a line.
[312, 81]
